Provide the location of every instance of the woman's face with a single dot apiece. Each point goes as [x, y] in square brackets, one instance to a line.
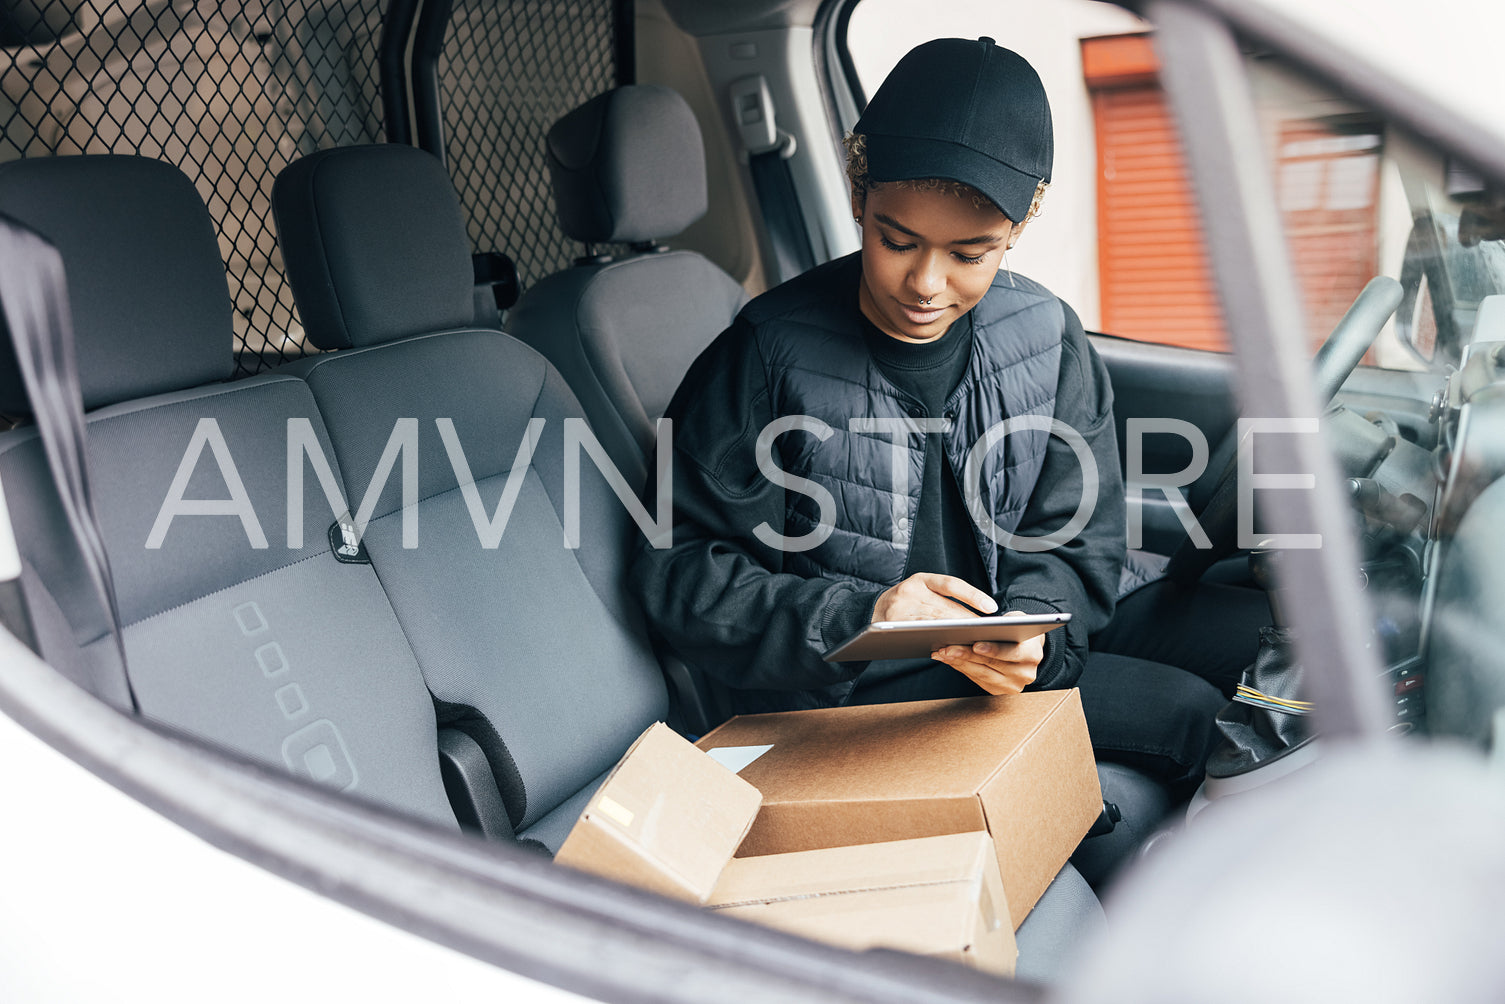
[925, 245]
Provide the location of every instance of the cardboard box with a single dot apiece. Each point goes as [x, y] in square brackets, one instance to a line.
[1018, 767]
[667, 818]
[938, 896]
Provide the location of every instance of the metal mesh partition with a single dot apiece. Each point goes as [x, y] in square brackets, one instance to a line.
[509, 70]
[229, 92]
[232, 91]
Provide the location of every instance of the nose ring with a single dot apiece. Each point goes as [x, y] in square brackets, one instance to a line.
[925, 300]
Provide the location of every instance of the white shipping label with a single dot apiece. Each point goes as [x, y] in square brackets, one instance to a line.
[734, 758]
[615, 811]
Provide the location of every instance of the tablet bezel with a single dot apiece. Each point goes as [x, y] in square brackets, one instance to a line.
[917, 639]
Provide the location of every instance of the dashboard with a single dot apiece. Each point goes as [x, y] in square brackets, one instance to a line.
[1462, 610]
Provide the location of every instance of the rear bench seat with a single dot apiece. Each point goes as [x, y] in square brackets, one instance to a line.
[533, 648]
[290, 656]
[284, 655]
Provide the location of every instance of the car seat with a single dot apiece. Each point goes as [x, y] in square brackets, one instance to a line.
[532, 647]
[271, 648]
[628, 167]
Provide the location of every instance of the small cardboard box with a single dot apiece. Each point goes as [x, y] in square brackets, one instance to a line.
[667, 818]
[939, 896]
[1018, 767]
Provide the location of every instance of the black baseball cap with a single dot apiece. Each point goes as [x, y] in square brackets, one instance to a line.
[964, 110]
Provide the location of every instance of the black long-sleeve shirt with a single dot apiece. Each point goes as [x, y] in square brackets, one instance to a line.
[941, 538]
[721, 598]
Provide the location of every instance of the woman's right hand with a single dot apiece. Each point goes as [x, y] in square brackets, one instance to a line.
[929, 596]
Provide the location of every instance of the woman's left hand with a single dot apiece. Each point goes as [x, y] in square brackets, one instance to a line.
[998, 667]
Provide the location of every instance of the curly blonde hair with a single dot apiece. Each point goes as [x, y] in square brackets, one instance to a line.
[862, 183]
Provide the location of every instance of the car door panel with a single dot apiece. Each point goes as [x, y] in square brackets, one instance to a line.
[1158, 382]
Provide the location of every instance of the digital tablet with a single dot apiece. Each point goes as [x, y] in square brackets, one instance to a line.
[915, 639]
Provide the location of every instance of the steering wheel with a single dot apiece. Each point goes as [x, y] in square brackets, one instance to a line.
[1335, 360]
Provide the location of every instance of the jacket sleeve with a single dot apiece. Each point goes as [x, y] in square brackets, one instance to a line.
[1079, 577]
[717, 594]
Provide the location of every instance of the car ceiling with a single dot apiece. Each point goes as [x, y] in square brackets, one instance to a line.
[720, 17]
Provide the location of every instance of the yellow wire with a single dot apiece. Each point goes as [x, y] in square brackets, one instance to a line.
[1251, 692]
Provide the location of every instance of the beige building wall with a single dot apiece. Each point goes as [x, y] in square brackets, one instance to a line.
[1060, 247]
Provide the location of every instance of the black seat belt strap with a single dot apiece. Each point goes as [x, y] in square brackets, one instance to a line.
[34, 301]
[780, 203]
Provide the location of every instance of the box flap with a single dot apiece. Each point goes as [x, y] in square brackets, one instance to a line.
[1039, 810]
[804, 826]
[863, 867]
[667, 818]
[940, 896]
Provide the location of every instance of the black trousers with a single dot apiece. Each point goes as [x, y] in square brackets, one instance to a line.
[1210, 630]
[1163, 668]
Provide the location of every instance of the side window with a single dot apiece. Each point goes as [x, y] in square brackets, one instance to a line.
[1120, 233]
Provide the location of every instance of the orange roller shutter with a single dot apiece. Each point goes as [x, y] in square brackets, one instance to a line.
[1153, 275]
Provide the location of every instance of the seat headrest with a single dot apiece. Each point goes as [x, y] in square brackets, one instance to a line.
[628, 166]
[146, 285]
[375, 245]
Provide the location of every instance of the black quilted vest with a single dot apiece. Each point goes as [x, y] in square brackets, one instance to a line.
[810, 336]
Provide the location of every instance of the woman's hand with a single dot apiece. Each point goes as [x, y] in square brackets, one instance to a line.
[998, 667]
[931, 596]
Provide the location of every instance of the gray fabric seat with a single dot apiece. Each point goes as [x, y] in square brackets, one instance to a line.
[276, 651]
[628, 167]
[535, 649]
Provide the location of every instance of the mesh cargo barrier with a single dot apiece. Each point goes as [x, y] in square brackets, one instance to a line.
[232, 92]
[497, 111]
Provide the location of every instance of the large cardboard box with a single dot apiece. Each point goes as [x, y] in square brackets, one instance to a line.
[1018, 767]
[939, 896]
[667, 818]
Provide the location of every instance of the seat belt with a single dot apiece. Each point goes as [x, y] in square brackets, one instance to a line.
[34, 304]
[780, 202]
[13, 613]
[768, 151]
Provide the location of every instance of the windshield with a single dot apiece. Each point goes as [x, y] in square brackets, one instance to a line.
[1454, 258]
[1360, 197]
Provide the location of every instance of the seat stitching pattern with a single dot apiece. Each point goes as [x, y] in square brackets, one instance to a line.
[222, 589]
[336, 355]
[19, 440]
